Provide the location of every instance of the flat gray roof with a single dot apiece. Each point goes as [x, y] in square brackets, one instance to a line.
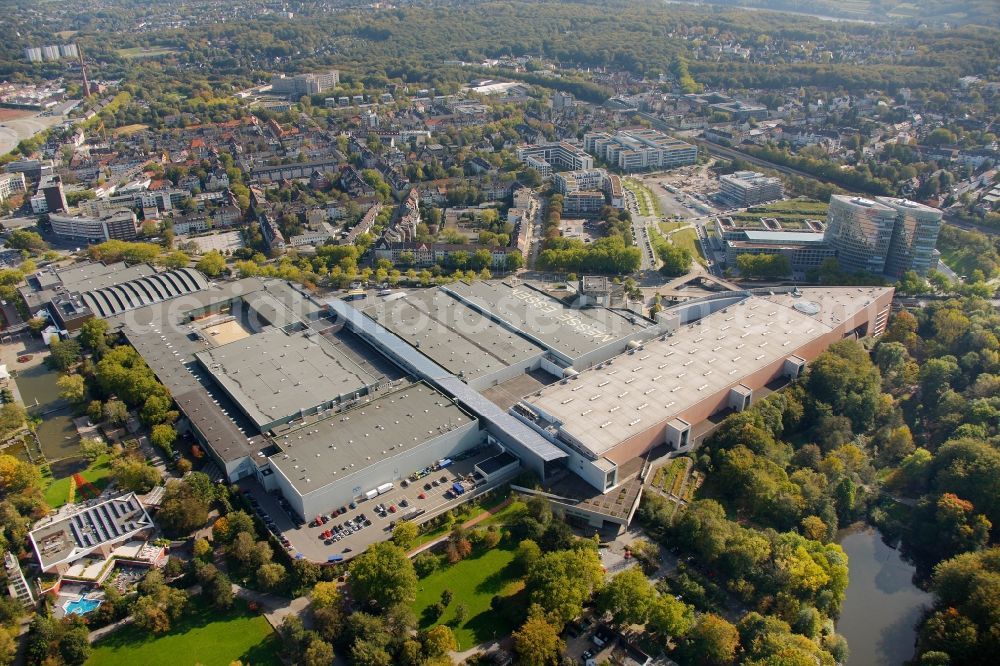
[604, 406]
[326, 451]
[450, 333]
[546, 320]
[275, 375]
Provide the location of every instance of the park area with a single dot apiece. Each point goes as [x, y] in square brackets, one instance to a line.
[473, 583]
[204, 635]
[80, 486]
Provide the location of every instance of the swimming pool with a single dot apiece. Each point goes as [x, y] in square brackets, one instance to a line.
[81, 606]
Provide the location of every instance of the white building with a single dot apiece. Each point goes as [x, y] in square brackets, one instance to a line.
[638, 149]
[750, 188]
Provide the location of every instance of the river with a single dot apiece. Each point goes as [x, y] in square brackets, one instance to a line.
[882, 606]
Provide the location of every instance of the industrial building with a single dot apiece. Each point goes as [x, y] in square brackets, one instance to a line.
[72, 295]
[639, 149]
[750, 188]
[324, 402]
[716, 355]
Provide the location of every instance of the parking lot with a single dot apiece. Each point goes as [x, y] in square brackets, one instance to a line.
[345, 533]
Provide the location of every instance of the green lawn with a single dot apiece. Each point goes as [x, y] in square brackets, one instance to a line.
[667, 227]
[689, 238]
[98, 473]
[146, 52]
[473, 582]
[202, 636]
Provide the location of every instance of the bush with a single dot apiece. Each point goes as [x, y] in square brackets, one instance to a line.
[426, 563]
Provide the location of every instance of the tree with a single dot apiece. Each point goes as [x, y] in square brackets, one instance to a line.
[271, 575]
[318, 653]
[439, 641]
[176, 259]
[561, 582]
[220, 590]
[163, 437]
[325, 595]
[537, 642]
[93, 448]
[712, 640]
[628, 597]
[94, 336]
[64, 353]
[116, 412]
[72, 388]
[670, 617]
[404, 534]
[211, 264]
[74, 645]
[676, 259]
[182, 510]
[26, 240]
[383, 575]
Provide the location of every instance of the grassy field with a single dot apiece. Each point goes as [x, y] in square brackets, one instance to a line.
[129, 129]
[473, 582]
[203, 635]
[667, 227]
[689, 238]
[790, 214]
[98, 473]
[146, 52]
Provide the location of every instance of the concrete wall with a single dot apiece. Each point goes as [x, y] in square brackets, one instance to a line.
[393, 468]
[504, 374]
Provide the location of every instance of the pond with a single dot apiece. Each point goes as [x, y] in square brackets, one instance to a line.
[56, 433]
[882, 606]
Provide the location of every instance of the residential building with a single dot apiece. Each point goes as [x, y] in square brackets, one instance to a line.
[10, 184]
[120, 225]
[548, 158]
[750, 188]
[583, 203]
[17, 586]
[639, 149]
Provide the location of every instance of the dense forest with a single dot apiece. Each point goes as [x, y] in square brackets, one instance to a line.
[405, 43]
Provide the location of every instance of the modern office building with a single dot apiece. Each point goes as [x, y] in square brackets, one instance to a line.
[886, 236]
[750, 188]
[547, 158]
[639, 149]
[860, 230]
[805, 251]
[305, 84]
[914, 236]
[117, 225]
